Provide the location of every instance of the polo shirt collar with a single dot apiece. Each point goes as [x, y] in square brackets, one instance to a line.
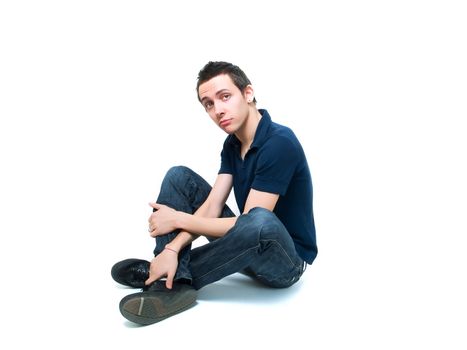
[262, 131]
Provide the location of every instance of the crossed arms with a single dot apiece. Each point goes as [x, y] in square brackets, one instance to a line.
[205, 221]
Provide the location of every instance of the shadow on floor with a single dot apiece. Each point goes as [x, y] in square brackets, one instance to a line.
[243, 289]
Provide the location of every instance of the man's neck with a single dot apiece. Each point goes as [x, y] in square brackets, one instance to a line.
[247, 133]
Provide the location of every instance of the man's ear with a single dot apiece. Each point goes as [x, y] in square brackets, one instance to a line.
[249, 93]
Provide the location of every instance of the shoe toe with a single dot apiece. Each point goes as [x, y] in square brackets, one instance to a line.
[131, 272]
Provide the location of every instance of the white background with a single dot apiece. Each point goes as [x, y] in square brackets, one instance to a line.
[97, 101]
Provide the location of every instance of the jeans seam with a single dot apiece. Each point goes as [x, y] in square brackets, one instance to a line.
[282, 249]
[228, 262]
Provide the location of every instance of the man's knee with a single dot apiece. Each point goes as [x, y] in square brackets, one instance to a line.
[177, 176]
[264, 220]
[177, 171]
[262, 215]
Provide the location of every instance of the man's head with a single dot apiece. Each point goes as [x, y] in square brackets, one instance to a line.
[213, 69]
[227, 96]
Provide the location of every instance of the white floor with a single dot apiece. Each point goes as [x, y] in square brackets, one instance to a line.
[97, 101]
[344, 300]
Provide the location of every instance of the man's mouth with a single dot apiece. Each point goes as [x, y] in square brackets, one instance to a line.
[225, 122]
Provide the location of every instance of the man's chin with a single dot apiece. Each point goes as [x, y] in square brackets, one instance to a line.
[228, 130]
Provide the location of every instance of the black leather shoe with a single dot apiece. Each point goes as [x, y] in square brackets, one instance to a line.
[157, 303]
[131, 272]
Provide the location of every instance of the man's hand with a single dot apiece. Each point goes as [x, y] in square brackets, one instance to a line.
[162, 221]
[163, 265]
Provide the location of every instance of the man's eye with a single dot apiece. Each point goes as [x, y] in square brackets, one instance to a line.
[225, 97]
[208, 105]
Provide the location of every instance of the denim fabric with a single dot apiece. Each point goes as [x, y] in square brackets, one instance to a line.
[258, 244]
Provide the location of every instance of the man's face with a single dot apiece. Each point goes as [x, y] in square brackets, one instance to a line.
[224, 102]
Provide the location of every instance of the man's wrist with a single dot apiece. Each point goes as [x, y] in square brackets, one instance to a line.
[171, 249]
[181, 241]
[181, 220]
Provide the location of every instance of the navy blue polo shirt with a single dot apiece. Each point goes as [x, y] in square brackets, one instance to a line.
[275, 163]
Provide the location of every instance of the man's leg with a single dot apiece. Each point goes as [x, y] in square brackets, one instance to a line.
[258, 242]
[183, 190]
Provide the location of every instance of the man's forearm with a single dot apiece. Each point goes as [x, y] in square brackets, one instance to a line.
[211, 227]
[186, 236]
[181, 241]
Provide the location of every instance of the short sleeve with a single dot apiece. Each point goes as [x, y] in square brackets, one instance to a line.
[226, 160]
[277, 162]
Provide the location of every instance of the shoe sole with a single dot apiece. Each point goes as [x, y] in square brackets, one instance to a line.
[151, 307]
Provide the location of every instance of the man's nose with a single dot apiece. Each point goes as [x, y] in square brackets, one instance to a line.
[219, 110]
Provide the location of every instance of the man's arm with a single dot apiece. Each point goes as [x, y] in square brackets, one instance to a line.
[218, 227]
[261, 199]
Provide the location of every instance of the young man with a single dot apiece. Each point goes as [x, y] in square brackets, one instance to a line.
[272, 240]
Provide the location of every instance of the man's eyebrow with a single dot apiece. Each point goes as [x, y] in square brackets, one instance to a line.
[221, 91]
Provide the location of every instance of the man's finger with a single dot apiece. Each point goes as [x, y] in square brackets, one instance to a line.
[155, 205]
[169, 281]
[151, 279]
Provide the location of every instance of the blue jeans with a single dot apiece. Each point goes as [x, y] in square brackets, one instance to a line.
[257, 244]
